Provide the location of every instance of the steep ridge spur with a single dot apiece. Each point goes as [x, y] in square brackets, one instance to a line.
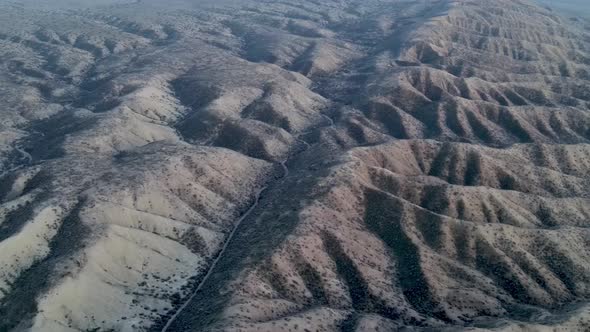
[452, 191]
[108, 215]
[435, 167]
[128, 154]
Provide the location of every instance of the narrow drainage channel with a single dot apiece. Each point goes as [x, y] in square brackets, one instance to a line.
[234, 231]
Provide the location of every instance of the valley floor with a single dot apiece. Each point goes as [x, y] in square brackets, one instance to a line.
[294, 166]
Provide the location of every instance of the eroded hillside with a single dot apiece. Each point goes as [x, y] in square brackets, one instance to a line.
[296, 166]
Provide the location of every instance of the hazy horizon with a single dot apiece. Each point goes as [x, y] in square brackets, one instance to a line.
[294, 165]
[577, 7]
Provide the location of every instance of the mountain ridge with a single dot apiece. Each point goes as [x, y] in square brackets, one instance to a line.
[338, 166]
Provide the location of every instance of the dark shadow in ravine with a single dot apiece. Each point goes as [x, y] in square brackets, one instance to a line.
[273, 220]
[20, 303]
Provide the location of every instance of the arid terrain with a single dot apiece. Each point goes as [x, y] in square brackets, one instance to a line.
[573, 8]
[304, 165]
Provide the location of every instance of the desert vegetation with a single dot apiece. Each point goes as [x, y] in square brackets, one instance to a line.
[293, 166]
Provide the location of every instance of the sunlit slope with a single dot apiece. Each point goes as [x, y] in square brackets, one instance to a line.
[390, 165]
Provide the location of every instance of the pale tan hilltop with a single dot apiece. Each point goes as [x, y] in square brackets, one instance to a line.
[294, 166]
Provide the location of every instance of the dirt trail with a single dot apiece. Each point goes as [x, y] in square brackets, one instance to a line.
[236, 227]
[397, 39]
[219, 255]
